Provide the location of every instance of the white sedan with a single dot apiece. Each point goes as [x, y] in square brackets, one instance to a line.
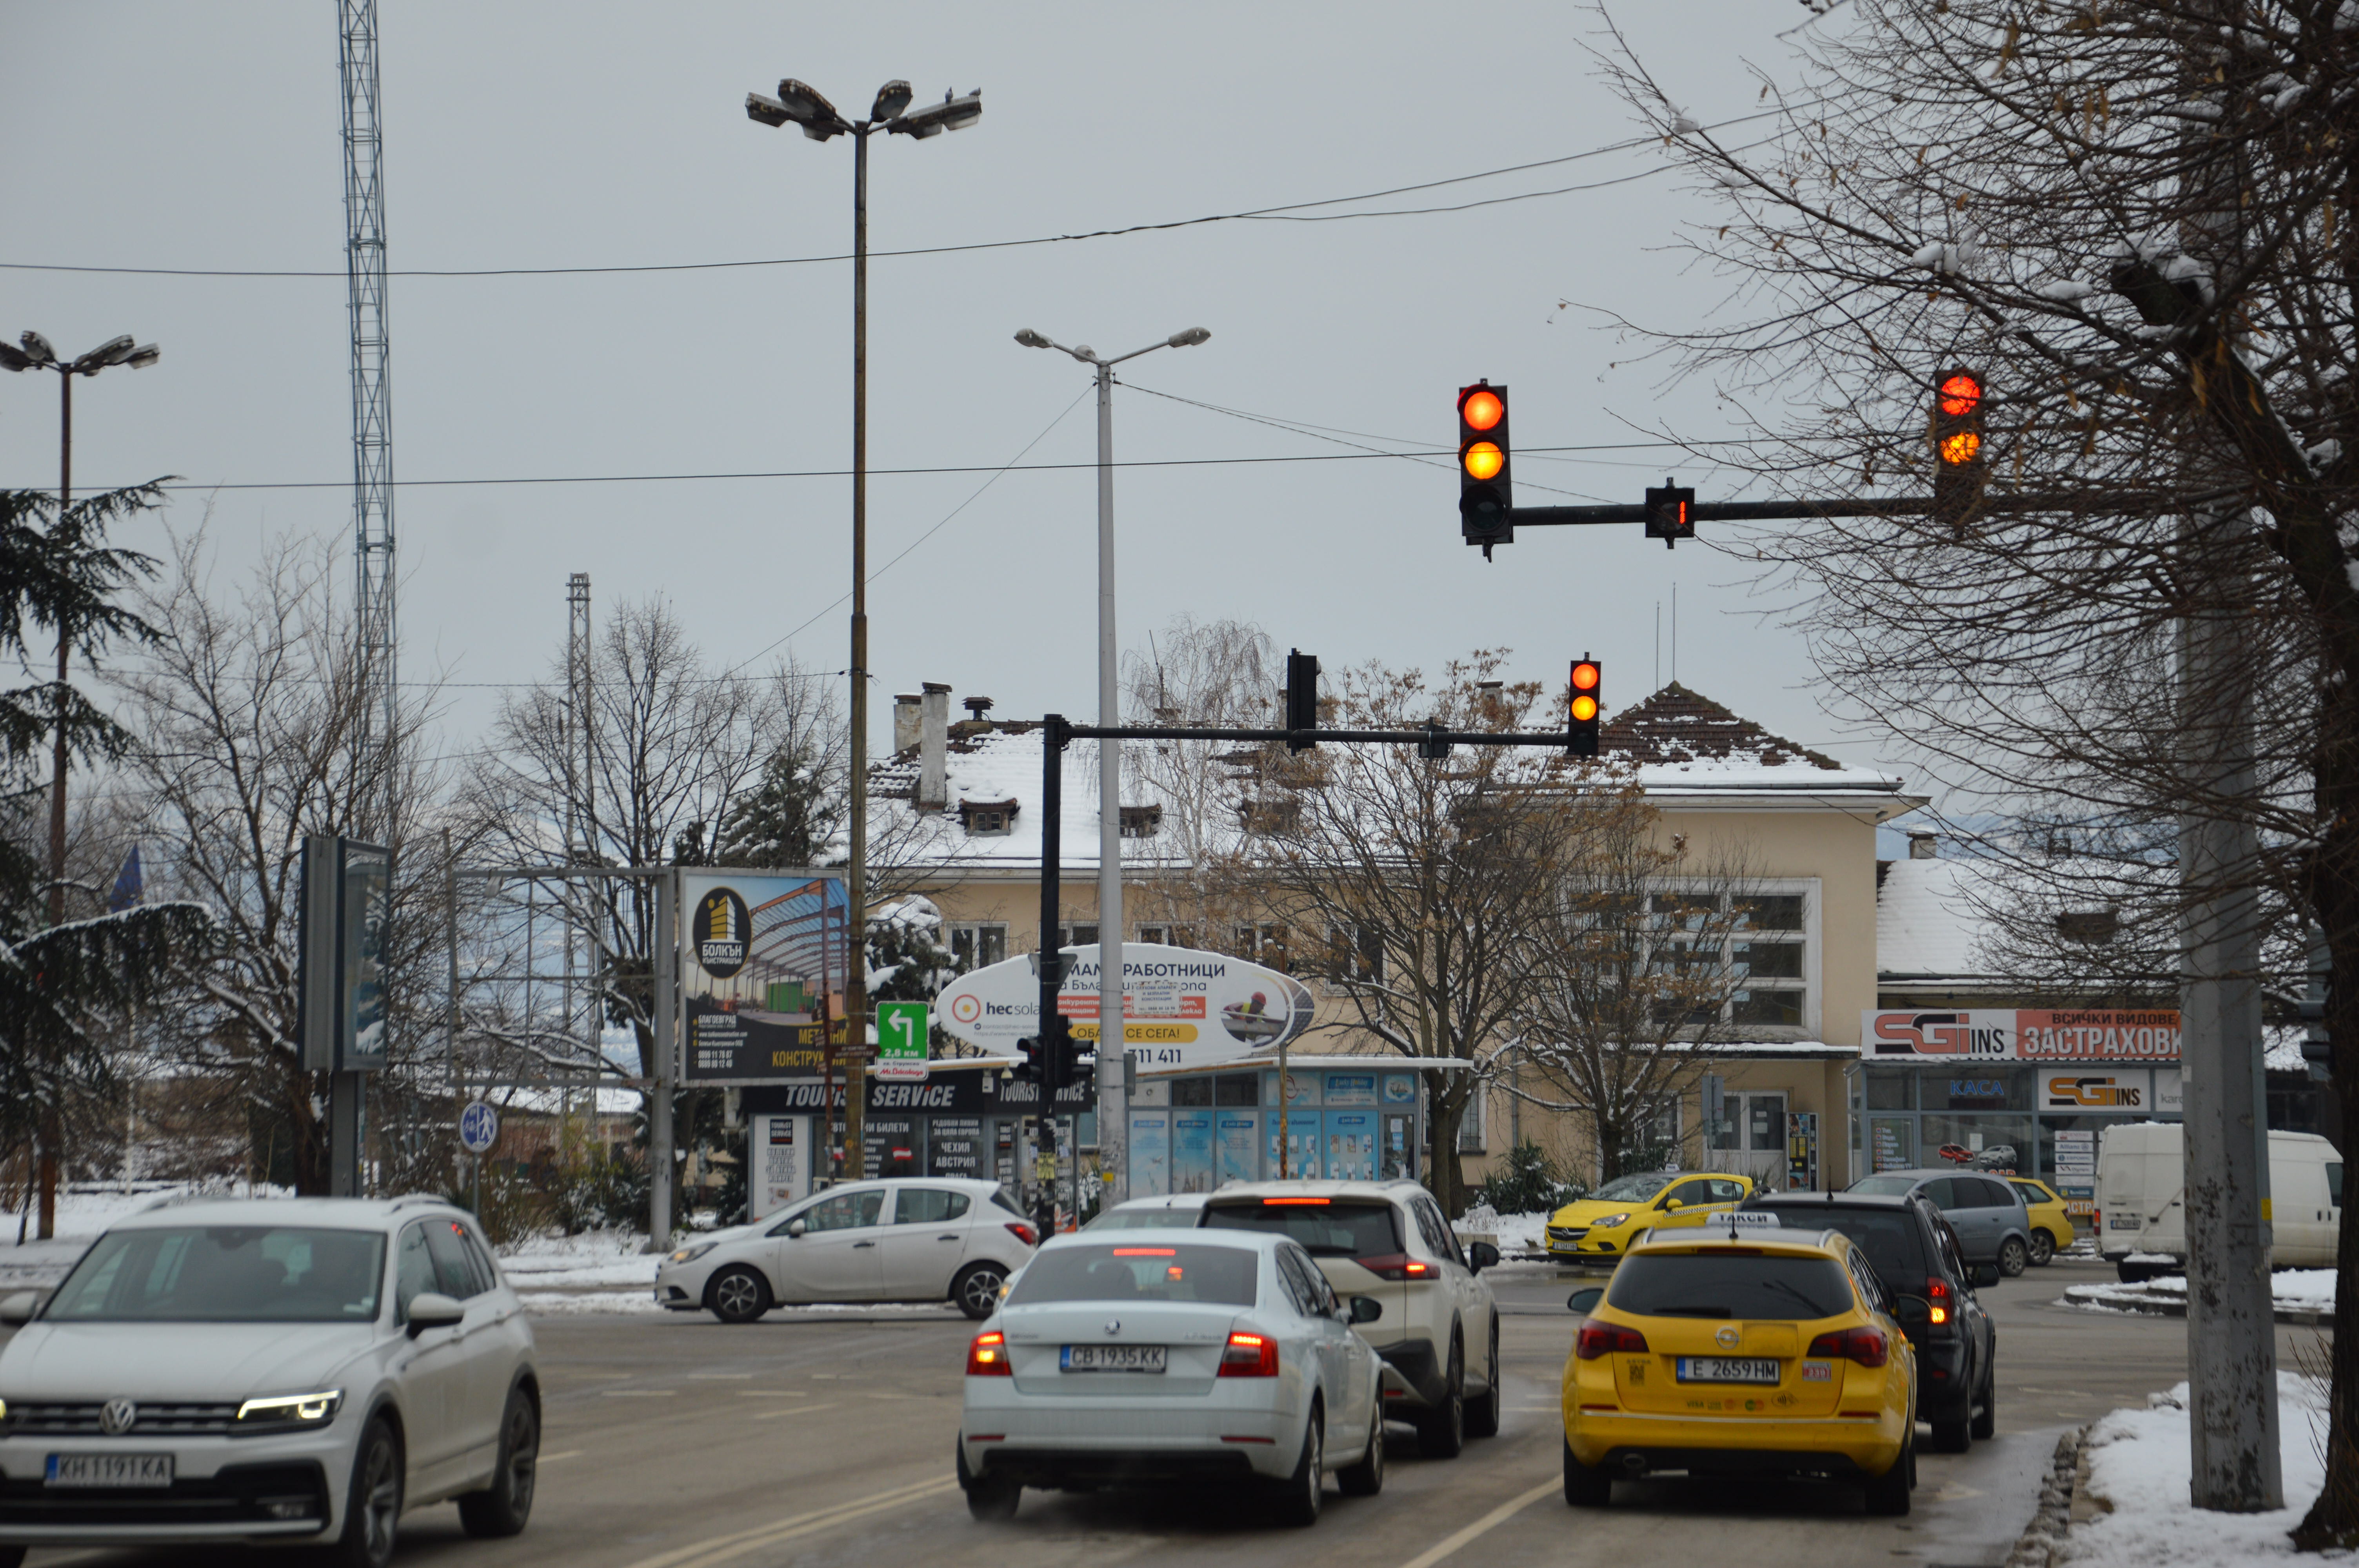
[1139, 1357]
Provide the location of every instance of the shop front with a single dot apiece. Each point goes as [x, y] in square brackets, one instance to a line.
[1346, 1118]
[2022, 1090]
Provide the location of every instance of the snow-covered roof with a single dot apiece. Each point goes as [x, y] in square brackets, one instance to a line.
[1683, 743]
[1929, 919]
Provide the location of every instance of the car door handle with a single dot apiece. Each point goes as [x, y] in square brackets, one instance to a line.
[857, 1245]
[948, 1236]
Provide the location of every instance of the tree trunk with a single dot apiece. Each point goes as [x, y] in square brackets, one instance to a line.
[1444, 1175]
[2333, 1518]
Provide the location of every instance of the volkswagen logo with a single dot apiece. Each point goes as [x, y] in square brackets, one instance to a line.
[117, 1416]
[1727, 1336]
[1113, 1325]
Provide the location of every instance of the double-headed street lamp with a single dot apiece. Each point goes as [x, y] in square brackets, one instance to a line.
[1111, 1037]
[801, 104]
[37, 354]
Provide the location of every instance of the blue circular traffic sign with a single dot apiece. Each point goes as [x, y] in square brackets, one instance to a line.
[479, 1127]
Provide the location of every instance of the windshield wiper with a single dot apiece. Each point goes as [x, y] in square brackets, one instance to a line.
[1703, 1311]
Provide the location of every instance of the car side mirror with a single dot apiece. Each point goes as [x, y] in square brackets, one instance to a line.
[1482, 1256]
[17, 1310]
[1985, 1274]
[432, 1309]
[1912, 1312]
[1584, 1300]
[1675, 1203]
[795, 1228]
[1366, 1308]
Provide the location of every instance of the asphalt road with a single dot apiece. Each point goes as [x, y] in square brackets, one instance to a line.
[826, 1438]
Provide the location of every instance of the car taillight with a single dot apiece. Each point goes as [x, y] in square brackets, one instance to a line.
[1864, 1345]
[1023, 1232]
[1398, 1266]
[1598, 1338]
[1249, 1355]
[1937, 1292]
[987, 1357]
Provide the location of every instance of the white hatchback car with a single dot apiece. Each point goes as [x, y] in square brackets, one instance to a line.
[907, 1239]
[1176, 1211]
[1138, 1357]
[260, 1369]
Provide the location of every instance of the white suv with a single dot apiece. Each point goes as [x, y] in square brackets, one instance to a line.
[1439, 1336]
[910, 1239]
[269, 1369]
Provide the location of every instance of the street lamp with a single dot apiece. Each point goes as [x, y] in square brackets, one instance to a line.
[1111, 1039]
[37, 354]
[799, 103]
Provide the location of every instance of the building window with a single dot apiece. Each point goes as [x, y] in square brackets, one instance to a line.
[1077, 936]
[1470, 1126]
[976, 944]
[1756, 1123]
[1758, 941]
[1168, 936]
[988, 818]
[1141, 821]
[1272, 818]
[1659, 1141]
[1264, 944]
[1356, 954]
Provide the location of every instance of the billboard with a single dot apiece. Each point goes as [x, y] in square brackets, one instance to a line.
[765, 958]
[1947, 1036]
[1181, 1008]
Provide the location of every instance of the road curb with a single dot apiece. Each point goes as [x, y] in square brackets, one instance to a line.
[2046, 1539]
[2306, 1317]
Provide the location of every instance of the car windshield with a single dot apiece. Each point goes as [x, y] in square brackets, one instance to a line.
[1892, 1239]
[1884, 1186]
[1325, 1228]
[1729, 1284]
[224, 1273]
[1145, 1219]
[1636, 1187]
[1183, 1271]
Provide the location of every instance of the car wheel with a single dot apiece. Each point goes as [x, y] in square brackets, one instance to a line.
[1482, 1411]
[1985, 1424]
[503, 1508]
[738, 1294]
[373, 1505]
[976, 1288]
[1888, 1494]
[2133, 1273]
[12, 1556]
[2013, 1255]
[987, 1498]
[2043, 1249]
[1953, 1436]
[1301, 1493]
[1585, 1487]
[1366, 1478]
[1441, 1431]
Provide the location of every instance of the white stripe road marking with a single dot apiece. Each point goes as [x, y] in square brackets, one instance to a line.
[1488, 1522]
[553, 1458]
[638, 1393]
[722, 1548]
[796, 1410]
[718, 1377]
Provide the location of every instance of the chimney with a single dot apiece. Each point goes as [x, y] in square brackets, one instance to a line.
[904, 721]
[1923, 846]
[933, 748]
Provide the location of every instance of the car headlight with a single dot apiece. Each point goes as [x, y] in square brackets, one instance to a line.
[691, 1254]
[1611, 1220]
[293, 1409]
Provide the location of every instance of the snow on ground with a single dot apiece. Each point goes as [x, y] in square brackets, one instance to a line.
[2295, 1290]
[2138, 1469]
[591, 1258]
[1514, 1232]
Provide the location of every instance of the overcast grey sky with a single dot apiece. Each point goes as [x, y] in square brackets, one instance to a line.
[590, 134]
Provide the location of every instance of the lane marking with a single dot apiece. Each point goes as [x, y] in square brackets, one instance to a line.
[773, 1393]
[719, 1377]
[553, 1458]
[797, 1410]
[1484, 1526]
[724, 1548]
[638, 1393]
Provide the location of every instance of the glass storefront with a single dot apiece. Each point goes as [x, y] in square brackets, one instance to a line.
[1908, 1115]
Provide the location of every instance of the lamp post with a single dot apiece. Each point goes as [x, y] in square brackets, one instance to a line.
[801, 104]
[37, 354]
[1114, 1106]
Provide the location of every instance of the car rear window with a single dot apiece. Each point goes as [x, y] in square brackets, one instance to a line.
[1157, 1218]
[1182, 1272]
[1323, 1228]
[1886, 1186]
[1893, 1238]
[1730, 1284]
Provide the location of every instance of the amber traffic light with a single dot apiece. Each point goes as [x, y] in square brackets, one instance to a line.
[1584, 711]
[1485, 516]
[1958, 401]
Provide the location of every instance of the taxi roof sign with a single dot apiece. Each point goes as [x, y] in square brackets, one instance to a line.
[1734, 1219]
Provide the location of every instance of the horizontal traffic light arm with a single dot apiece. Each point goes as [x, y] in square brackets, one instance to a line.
[1347, 737]
[1858, 506]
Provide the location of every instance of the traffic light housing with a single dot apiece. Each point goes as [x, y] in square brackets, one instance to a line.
[1485, 514]
[1582, 710]
[1034, 1068]
[1960, 460]
[1670, 513]
[1301, 699]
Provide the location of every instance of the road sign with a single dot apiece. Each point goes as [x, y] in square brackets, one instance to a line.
[479, 1128]
[901, 1033]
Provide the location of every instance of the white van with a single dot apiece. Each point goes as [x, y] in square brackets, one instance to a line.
[2142, 1195]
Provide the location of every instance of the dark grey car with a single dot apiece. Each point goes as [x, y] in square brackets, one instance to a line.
[1985, 1211]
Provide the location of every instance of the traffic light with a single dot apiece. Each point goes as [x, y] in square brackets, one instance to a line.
[1484, 514]
[1581, 738]
[1301, 699]
[1670, 513]
[1959, 466]
[1035, 1067]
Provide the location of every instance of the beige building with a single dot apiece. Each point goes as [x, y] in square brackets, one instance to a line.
[956, 811]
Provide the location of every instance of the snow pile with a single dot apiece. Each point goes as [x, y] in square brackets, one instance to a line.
[2139, 1472]
[2293, 1290]
[594, 1258]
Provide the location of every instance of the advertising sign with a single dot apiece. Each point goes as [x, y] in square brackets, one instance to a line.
[340, 966]
[1181, 1008]
[901, 1036]
[1951, 1037]
[763, 963]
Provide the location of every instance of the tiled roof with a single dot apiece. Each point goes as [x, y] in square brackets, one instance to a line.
[1676, 724]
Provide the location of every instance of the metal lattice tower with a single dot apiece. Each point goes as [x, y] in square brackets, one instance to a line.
[584, 1014]
[372, 536]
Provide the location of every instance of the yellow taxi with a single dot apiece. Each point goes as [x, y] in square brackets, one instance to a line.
[1738, 1345]
[1602, 1227]
[2052, 1223]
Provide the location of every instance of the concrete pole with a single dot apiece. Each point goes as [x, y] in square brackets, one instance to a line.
[1113, 1103]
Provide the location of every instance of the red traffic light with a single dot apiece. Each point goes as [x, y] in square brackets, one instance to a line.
[1961, 394]
[1481, 408]
[1585, 677]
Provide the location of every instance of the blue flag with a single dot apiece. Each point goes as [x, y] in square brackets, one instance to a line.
[127, 885]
